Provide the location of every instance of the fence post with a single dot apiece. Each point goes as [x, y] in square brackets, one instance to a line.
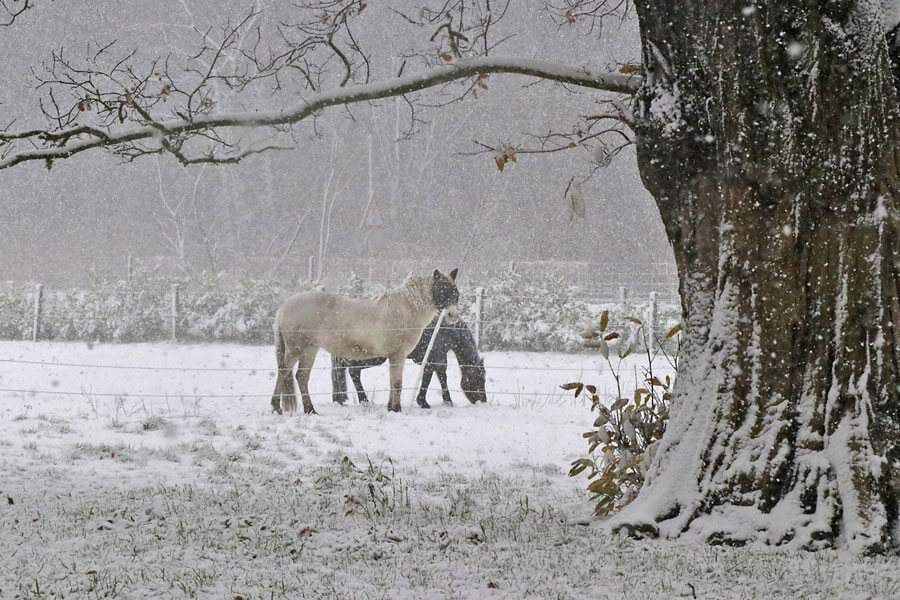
[174, 312]
[311, 268]
[623, 294]
[651, 329]
[130, 272]
[38, 310]
[479, 315]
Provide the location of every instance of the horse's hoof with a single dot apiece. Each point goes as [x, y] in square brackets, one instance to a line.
[309, 410]
[393, 408]
[424, 404]
[340, 401]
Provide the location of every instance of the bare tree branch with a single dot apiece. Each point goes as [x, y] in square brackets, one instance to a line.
[13, 9]
[591, 12]
[67, 142]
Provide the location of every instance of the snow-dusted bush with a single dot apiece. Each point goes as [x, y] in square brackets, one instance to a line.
[529, 313]
[547, 314]
[520, 312]
[110, 311]
[16, 314]
[208, 309]
[243, 313]
[357, 287]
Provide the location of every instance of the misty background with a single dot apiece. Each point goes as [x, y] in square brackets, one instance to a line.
[370, 181]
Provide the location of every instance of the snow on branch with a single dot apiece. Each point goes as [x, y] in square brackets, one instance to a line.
[64, 143]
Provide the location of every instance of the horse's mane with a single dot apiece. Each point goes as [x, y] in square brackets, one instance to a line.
[417, 289]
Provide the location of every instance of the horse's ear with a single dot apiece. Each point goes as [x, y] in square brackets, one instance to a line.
[437, 274]
[453, 274]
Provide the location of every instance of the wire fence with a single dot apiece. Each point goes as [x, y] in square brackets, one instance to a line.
[554, 391]
[269, 368]
[84, 393]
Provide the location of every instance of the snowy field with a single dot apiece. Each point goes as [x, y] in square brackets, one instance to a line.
[170, 483]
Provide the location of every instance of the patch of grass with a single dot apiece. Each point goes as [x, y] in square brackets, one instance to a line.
[257, 525]
[87, 450]
[209, 427]
[154, 423]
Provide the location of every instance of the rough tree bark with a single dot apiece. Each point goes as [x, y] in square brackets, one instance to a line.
[767, 133]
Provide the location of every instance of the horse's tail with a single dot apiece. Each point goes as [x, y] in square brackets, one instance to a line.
[279, 346]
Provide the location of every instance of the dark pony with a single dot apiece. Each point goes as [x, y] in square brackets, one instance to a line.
[456, 337]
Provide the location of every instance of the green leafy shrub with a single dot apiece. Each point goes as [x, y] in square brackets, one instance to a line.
[625, 434]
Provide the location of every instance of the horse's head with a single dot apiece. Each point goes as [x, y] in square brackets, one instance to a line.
[473, 382]
[445, 295]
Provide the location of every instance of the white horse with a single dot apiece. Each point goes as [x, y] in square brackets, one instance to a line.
[352, 328]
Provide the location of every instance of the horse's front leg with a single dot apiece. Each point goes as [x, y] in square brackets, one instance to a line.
[355, 377]
[423, 389]
[441, 371]
[396, 369]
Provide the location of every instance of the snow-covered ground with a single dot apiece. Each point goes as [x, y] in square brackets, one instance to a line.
[168, 483]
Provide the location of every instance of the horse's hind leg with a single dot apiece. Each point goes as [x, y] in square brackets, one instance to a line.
[355, 377]
[283, 377]
[306, 359]
[283, 397]
[279, 388]
[338, 380]
[288, 392]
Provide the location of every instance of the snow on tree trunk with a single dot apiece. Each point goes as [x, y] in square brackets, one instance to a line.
[767, 132]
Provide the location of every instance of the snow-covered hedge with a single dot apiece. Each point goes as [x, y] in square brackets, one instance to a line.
[140, 310]
[529, 313]
[519, 312]
[16, 314]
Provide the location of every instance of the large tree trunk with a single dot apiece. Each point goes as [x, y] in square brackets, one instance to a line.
[768, 134]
